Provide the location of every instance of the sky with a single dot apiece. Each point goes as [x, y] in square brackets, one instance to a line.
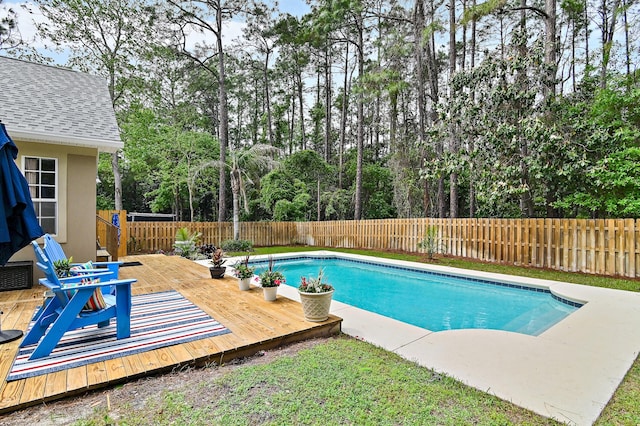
[29, 15]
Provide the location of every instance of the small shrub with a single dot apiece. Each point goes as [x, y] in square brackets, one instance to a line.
[206, 250]
[237, 246]
[185, 243]
[431, 243]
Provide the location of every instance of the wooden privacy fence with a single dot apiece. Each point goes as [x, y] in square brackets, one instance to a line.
[601, 246]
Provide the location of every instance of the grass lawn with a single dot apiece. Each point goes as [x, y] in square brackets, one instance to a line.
[346, 381]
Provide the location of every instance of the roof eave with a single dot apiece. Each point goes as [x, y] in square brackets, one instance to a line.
[102, 145]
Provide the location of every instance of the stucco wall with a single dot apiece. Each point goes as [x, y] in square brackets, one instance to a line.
[76, 199]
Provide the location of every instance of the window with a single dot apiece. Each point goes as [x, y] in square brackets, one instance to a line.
[42, 176]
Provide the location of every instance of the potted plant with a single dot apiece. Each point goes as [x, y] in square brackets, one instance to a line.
[315, 296]
[217, 270]
[244, 273]
[63, 267]
[270, 279]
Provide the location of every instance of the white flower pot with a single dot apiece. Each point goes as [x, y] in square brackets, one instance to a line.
[316, 305]
[244, 283]
[270, 293]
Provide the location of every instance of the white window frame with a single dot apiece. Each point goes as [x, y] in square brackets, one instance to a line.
[56, 199]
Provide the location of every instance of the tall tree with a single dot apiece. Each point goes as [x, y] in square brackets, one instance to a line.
[242, 163]
[102, 36]
[196, 14]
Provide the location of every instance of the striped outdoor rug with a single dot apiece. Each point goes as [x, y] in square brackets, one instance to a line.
[157, 320]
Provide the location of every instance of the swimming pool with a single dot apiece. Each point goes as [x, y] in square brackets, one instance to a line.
[434, 301]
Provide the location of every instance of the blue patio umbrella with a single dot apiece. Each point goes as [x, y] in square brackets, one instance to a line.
[18, 222]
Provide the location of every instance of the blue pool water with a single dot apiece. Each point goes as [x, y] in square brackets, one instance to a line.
[432, 300]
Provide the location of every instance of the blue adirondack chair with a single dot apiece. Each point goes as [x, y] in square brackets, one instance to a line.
[64, 311]
[54, 252]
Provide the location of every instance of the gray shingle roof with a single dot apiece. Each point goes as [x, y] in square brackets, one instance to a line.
[56, 105]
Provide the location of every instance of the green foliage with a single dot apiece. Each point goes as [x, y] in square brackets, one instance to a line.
[285, 196]
[339, 204]
[615, 183]
[431, 243]
[63, 267]
[294, 210]
[217, 258]
[271, 277]
[242, 269]
[314, 284]
[594, 165]
[186, 243]
[237, 246]
[309, 167]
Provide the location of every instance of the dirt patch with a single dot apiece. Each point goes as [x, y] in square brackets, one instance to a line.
[140, 393]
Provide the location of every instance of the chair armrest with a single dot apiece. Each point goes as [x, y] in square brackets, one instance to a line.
[94, 286]
[85, 272]
[117, 262]
[84, 276]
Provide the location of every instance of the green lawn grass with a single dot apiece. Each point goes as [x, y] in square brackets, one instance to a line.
[347, 381]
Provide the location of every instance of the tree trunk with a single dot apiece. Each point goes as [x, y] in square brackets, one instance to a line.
[360, 124]
[265, 71]
[472, 64]
[223, 119]
[418, 26]
[549, 89]
[343, 118]
[303, 141]
[453, 177]
[117, 181]
[235, 194]
[327, 104]
[608, 28]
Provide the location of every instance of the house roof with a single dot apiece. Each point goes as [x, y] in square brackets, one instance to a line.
[42, 103]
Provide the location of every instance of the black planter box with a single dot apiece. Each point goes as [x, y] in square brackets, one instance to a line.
[16, 275]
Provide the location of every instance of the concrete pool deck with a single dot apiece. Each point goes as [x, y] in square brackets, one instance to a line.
[569, 372]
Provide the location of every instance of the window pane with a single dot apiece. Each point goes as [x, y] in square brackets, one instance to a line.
[32, 178]
[48, 192]
[48, 209]
[34, 192]
[48, 225]
[31, 163]
[48, 178]
[48, 165]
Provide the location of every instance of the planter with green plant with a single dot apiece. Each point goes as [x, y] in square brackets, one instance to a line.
[217, 269]
[270, 280]
[244, 273]
[63, 267]
[315, 297]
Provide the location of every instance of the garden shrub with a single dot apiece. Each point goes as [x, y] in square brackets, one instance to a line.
[237, 246]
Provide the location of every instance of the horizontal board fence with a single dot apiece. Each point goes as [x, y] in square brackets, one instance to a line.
[600, 246]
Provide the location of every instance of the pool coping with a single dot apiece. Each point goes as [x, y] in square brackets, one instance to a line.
[568, 372]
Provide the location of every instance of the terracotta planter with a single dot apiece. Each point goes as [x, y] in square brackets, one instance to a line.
[316, 305]
[217, 272]
[244, 284]
[270, 293]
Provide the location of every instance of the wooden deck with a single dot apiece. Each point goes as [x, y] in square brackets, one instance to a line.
[255, 325]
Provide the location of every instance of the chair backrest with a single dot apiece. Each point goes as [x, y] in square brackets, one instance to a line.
[52, 249]
[45, 265]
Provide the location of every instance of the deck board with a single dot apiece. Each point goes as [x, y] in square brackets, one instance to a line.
[254, 324]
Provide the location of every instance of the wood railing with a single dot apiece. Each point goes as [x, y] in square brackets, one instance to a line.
[601, 246]
[107, 234]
